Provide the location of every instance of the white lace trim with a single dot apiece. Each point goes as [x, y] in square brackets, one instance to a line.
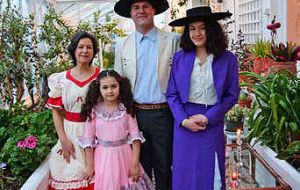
[68, 184]
[51, 106]
[85, 142]
[134, 137]
[144, 183]
[110, 116]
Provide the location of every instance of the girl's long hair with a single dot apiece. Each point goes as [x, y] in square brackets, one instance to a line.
[94, 96]
[216, 39]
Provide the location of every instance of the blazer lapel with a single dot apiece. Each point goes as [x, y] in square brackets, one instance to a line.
[161, 39]
[187, 68]
[130, 58]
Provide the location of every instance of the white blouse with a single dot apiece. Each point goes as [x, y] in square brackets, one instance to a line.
[202, 90]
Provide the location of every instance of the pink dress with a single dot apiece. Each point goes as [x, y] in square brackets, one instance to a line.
[111, 134]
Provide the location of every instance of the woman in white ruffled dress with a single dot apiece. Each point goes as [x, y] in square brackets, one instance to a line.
[67, 93]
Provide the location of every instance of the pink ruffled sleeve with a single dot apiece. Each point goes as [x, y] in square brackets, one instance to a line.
[134, 133]
[89, 137]
[55, 93]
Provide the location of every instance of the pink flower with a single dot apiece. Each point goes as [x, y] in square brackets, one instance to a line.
[30, 142]
[20, 144]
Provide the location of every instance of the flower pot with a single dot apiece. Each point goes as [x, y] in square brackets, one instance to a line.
[232, 126]
[245, 102]
[261, 65]
[278, 66]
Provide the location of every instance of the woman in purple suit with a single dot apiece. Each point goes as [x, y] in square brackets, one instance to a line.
[203, 86]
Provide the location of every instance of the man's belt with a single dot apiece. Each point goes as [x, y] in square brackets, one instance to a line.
[151, 106]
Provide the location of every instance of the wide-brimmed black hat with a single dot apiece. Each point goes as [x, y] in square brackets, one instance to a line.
[123, 7]
[199, 13]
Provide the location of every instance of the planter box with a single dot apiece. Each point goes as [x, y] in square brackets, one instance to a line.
[287, 172]
[39, 178]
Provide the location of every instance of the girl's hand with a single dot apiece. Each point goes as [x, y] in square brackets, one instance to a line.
[193, 125]
[200, 119]
[134, 172]
[68, 150]
[89, 172]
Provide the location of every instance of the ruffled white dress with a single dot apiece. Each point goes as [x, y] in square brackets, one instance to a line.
[68, 94]
[111, 134]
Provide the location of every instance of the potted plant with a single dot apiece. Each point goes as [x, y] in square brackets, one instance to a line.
[276, 122]
[285, 57]
[235, 117]
[260, 52]
[244, 99]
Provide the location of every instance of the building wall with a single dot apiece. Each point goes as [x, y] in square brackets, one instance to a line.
[252, 17]
[278, 8]
[293, 21]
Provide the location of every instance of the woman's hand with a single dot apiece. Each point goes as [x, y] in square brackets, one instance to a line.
[68, 150]
[134, 172]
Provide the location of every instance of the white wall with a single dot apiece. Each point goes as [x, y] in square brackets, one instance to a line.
[266, 9]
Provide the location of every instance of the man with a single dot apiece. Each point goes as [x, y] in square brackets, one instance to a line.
[145, 57]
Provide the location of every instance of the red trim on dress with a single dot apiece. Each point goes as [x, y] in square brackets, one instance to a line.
[72, 116]
[54, 102]
[82, 83]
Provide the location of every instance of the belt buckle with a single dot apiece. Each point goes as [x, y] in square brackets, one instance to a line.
[154, 106]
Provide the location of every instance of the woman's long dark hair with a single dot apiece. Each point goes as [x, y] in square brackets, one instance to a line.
[94, 96]
[74, 42]
[216, 40]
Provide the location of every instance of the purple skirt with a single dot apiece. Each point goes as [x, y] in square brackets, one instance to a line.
[194, 154]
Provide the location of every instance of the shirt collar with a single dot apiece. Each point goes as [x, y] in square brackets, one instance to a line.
[209, 59]
[151, 35]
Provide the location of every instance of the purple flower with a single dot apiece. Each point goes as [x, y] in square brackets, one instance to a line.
[30, 142]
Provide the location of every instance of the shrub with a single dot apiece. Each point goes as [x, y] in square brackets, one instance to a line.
[37, 131]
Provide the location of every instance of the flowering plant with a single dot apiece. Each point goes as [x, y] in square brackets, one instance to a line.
[26, 141]
[30, 142]
[281, 52]
[285, 52]
[237, 113]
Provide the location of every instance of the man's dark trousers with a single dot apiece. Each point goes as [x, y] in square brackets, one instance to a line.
[156, 152]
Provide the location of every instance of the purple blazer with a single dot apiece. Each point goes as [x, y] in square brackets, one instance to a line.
[225, 76]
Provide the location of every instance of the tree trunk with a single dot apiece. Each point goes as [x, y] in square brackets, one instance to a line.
[9, 90]
[20, 90]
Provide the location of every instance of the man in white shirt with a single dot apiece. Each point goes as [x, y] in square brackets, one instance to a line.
[145, 57]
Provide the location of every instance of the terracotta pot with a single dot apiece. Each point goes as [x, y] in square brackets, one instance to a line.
[278, 66]
[261, 65]
[245, 102]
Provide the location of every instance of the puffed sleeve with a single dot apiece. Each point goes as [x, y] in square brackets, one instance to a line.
[134, 133]
[89, 136]
[55, 93]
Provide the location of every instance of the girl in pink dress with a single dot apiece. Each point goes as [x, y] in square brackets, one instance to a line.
[110, 129]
